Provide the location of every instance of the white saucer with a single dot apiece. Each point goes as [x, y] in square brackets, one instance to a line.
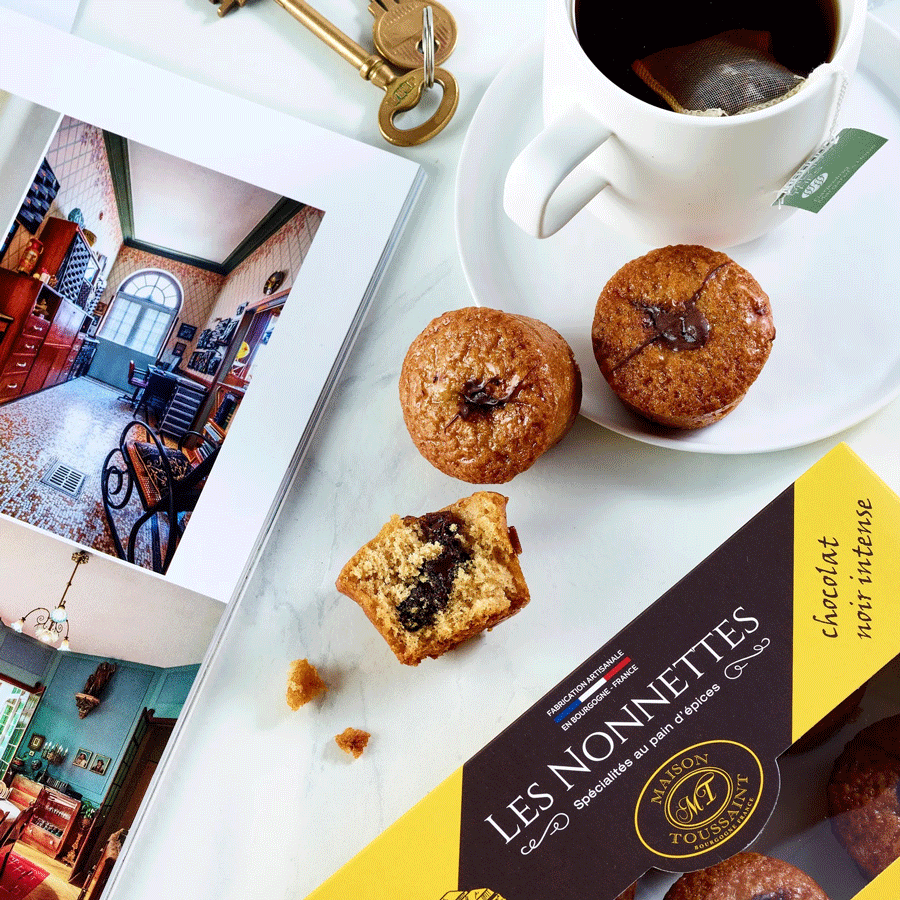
[831, 277]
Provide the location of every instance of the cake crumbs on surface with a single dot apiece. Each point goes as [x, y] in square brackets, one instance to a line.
[353, 741]
[304, 683]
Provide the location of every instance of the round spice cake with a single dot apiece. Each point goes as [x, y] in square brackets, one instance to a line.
[485, 393]
[747, 876]
[681, 334]
[864, 796]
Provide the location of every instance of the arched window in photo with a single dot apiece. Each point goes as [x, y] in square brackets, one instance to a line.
[143, 311]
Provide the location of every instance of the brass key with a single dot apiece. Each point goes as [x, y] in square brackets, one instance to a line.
[397, 31]
[403, 90]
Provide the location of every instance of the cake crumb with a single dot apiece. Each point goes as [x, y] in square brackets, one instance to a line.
[304, 683]
[353, 740]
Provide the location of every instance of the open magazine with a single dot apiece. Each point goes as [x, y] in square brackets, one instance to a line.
[182, 276]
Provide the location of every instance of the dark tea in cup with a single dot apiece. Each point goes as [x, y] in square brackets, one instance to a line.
[802, 34]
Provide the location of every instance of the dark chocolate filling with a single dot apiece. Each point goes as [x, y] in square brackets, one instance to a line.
[484, 396]
[431, 592]
[686, 328]
[780, 894]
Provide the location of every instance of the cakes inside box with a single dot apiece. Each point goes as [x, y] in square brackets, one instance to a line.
[799, 831]
[673, 748]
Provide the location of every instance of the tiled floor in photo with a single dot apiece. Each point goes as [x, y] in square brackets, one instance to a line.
[73, 425]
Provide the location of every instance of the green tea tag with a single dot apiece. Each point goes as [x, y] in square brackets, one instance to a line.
[825, 173]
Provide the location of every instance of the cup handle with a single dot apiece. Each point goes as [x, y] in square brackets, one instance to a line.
[546, 184]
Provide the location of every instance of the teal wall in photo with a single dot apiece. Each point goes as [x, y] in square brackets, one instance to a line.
[24, 659]
[172, 690]
[104, 731]
[108, 728]
[110, 364]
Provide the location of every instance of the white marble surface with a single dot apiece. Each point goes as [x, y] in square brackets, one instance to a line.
[259, 801]
[59, 13]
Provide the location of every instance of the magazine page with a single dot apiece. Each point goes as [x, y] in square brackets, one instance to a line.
[182, 276]
[82, 731]
[224, 264]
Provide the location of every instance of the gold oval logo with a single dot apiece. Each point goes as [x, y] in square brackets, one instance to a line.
[698, 799]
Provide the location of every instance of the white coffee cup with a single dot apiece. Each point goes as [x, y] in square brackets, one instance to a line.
[659, 175]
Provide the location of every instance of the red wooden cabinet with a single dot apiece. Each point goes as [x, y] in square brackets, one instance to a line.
[55, 817]
[41, 324]
[58, 343]
[11, 386]
[53, 825]
[23, 791]
[40, 343]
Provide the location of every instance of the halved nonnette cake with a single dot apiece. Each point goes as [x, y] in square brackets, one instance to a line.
[430, 582]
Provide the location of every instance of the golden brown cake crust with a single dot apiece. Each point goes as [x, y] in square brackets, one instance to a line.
[747, 876]
[487, 590]
[668, 290]
[864, 796]
[485, 393]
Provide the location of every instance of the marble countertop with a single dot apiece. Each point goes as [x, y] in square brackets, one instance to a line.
[259, 801]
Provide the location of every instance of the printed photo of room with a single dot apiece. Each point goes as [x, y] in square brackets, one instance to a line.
[96, 663]
[135, 287]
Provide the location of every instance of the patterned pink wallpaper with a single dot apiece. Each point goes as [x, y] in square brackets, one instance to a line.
[78, 158]
[199, 287]
[283, 252]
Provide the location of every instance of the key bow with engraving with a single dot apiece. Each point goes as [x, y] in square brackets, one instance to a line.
[397, 31]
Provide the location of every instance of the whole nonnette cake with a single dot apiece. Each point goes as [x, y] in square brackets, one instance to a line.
[864, 796]
[484, 393]
[681, 334]
[747, 876]
[430, 582]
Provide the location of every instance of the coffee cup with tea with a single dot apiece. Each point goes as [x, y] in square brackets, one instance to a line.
[614, 142]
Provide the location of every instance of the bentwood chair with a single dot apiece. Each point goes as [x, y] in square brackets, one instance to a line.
[167, 481]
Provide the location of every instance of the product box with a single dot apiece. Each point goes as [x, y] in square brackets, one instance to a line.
[664, 752]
